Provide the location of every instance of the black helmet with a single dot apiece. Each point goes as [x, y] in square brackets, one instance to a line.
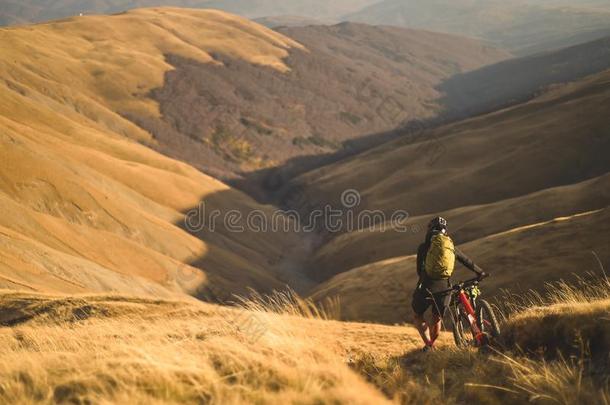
[437, 224]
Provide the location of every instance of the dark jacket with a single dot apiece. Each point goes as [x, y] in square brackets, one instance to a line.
[439, 285]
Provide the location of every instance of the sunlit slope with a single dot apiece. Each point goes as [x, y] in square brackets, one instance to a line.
[361, 247]
[84, 207]
[557, 139]
[114, 61]
[520, 259]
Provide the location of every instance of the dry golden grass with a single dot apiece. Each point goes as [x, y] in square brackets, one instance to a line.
[113, 349]
[569, 319]
[554, 350]
[465, 376]
[117, 350]
[290, 303]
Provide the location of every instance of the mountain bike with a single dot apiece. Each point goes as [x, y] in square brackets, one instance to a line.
[474, 321]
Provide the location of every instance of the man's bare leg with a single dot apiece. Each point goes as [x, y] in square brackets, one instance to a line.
[435, 329]
[422, 328]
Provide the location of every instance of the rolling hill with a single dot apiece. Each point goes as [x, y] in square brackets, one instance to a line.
[463, 95]
[241, 114]
[343, 82]
[521, 26]
[82, 162]
[489, 88]
[87, 207]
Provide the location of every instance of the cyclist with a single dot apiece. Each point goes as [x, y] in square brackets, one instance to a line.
[435, 263]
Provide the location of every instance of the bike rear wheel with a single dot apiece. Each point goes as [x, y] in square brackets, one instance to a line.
[486, 319]
[461, 328]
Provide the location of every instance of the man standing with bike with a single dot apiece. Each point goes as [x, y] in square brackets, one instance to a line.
[435, 264]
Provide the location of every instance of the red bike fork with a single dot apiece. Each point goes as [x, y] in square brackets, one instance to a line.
[472, 319]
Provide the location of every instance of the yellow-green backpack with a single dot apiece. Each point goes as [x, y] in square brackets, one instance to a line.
[440, 260]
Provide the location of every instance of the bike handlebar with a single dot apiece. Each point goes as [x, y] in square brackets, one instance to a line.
[473, 281]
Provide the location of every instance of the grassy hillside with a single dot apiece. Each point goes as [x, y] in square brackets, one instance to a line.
[521, 165]
[117, 349]
[522, 26]
[519, 260]
[86, 207]
[99, 270]
[358, 248]
[228, 106]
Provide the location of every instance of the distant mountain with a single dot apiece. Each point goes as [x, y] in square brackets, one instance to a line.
[521, 26]
[516, 80]
[506, 152]
[22, 11]
[318, 9]
[291, 21]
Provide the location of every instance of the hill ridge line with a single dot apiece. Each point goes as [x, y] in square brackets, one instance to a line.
[539, 224]
[398, 259]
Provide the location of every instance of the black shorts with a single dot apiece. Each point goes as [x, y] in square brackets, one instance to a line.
[422, 300]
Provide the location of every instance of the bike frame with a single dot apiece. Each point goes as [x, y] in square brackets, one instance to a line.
[472, 318]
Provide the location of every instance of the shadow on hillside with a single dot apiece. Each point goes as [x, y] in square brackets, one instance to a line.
[273, 185]
[248, 248]
[242, 102]
[465, 95]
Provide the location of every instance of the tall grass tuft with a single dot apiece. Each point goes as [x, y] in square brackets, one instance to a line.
[587, 288]
[288, 302]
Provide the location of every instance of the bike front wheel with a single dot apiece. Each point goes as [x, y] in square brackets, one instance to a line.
[486, 319]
